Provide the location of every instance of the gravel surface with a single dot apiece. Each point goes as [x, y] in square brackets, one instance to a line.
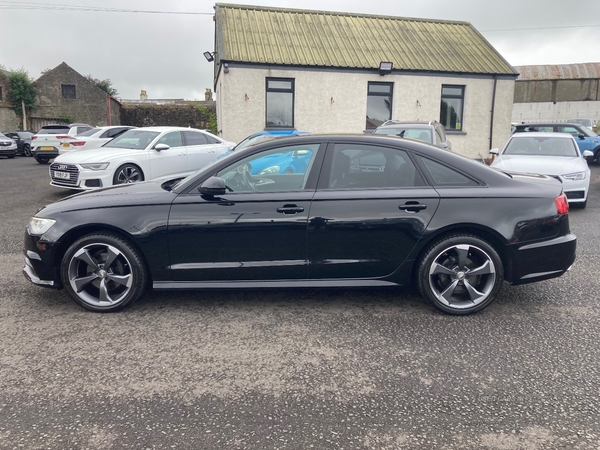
[295, 369]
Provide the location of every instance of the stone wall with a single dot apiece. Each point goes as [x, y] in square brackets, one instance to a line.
[177, 115]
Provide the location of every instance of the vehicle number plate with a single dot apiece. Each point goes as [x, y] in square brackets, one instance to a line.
[46, 148]
[62, 175]
[66, 145]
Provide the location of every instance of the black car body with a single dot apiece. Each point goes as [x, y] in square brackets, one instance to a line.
[23, 140]
[457, 227]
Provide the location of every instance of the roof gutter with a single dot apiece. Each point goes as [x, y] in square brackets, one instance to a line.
[492, 111]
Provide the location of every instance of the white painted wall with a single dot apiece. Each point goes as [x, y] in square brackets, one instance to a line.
[555, 112]
[336, 102]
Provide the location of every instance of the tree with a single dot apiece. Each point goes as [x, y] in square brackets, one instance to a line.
[20, 90]
[105, 85]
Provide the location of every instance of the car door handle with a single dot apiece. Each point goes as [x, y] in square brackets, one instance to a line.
[412, 207]
[290, 209]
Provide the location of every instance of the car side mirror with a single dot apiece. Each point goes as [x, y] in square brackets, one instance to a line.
[297, 153]
[444, 145]
[588, 154]
[213, 186]
[581, 136]
[161, 147]
[494, 151]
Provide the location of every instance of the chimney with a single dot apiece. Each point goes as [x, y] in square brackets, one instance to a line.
[143, 95]
[208, 95]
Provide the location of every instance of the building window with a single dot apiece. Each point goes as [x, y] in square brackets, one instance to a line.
[379, 103]
[0, 93]
[280, 103]
[68, 91]
[451, 111]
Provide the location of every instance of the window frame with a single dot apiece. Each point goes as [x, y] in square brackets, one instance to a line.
[64, 89]
[379, 94]
[460, 97]
[291, 91]
[1, 98]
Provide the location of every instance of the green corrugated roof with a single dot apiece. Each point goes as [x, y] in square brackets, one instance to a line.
[266, 35]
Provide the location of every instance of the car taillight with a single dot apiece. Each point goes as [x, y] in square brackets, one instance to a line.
[63, 136]
[562, 204]
[77, 143]
[33, 138]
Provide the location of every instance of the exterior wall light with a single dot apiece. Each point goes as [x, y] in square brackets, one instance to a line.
[384, 67]
[210, 56]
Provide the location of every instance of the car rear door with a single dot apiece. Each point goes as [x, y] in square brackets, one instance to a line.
[200, 151]
[371, 207]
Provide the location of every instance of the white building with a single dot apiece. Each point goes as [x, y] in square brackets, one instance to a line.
[329, 72]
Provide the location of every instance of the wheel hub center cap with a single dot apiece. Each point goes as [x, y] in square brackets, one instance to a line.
[102, 273]
[460, 275]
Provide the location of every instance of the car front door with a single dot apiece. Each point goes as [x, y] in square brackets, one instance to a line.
[170, 161]
[371, 207]
[256, 231]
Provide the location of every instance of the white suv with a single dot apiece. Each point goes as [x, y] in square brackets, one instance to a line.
[46, 142]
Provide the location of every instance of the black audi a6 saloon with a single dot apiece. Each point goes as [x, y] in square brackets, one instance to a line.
[366, 211]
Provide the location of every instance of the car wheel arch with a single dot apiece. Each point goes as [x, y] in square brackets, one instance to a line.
[489, 235]
[77, 233]
[128, 163]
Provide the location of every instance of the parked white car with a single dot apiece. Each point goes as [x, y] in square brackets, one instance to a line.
[46, 142]
[554, 154]
[137, 155]
[92, 138]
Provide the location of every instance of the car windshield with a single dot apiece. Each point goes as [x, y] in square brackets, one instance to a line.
[421, 134]
[89, 132]
[3, 136]
[541, 146]
[134, 139]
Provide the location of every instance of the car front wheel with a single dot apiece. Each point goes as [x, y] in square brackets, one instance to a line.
[460, 274]
[26, 150]
[103, 272]
[128, 173]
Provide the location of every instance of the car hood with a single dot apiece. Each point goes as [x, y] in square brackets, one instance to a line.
[550, 165]
[101, 154]
[145, 193]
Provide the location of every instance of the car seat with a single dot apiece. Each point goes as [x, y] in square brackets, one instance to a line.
[340, 169]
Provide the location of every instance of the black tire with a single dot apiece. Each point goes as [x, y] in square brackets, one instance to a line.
[41, 160]
[103, 272]
[460, 274]
[11, 156]
[128, 173]
[579, 205]
[26, 150]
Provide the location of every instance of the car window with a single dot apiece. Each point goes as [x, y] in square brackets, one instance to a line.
[195, 138]
[172, 139]
[421, 134]
[79, 130]
[357, 166]
[134, 139]
[276, 170]
[54, 130]
[576, 132]
[441, 135]
[212, 140]
[442, 175]
[90, 132]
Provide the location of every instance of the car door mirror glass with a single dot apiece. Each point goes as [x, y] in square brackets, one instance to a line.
[494, 151]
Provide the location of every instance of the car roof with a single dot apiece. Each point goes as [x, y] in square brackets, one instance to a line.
[162, 129]
[546, 124]
[416, 123]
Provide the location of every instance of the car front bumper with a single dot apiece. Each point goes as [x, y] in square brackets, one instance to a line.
[39, 267]
[80, 179]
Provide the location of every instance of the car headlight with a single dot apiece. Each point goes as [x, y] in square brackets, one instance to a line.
[575, 176]
[269, 170]
[38, 226]
[95, 166]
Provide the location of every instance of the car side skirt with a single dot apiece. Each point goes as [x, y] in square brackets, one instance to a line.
[178, 285]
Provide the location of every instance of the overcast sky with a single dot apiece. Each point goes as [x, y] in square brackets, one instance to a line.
[162, 53]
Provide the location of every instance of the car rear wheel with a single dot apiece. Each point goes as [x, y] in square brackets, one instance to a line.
[128, 173]
[42, 160]
[460, 274]
[26, 150]
[103, 273]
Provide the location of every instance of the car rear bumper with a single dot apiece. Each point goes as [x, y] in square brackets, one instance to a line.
[542, 260]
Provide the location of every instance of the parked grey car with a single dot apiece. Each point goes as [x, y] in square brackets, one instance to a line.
[23, 140]
[431, 132]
